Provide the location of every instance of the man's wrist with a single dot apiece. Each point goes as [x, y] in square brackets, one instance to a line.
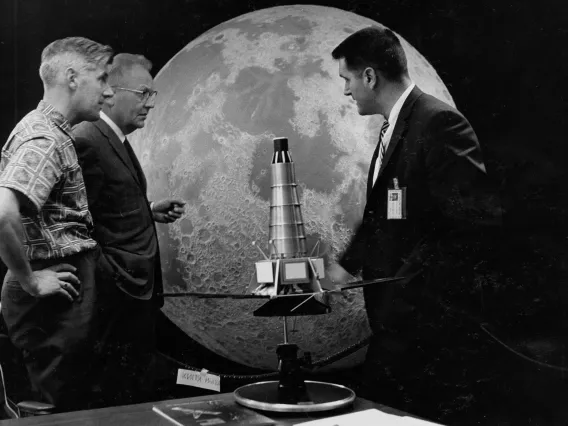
[27, 283]
[152, 206]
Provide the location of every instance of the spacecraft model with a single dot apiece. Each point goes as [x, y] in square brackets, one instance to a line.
[290, 279]
[288, 270]
[289, 276]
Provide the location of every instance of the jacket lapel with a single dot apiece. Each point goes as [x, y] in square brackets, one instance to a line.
[137, 167]
[400, 127]
[118, 147]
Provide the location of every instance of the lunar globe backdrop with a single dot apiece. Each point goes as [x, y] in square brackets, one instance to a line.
[222, 99]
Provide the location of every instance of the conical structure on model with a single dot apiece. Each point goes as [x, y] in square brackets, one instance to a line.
[287, 238]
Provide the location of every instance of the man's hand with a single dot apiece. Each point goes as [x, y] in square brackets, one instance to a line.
[168, 211]
[338, 275]
[57, 279]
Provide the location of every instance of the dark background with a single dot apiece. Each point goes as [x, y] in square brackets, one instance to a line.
[505, 63]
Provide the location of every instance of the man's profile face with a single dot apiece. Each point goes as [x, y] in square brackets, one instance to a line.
[355, 87]
[92, 90]
[130, 108]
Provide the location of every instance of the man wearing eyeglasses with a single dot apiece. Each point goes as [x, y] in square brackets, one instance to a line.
[129, 275]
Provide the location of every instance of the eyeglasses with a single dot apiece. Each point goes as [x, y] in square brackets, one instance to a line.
[146, 94]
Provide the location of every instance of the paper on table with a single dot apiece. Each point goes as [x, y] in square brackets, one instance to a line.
[371, 417]
[200, 379]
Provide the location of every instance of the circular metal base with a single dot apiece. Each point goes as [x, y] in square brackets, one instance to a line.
[320, 396]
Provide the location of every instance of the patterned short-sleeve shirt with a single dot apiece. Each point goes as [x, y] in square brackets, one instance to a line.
[39, 161]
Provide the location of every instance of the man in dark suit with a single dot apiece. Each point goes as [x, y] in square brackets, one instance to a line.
[429, 206]
[129, 276]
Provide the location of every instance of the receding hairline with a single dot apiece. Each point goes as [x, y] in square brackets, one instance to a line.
[124, 62]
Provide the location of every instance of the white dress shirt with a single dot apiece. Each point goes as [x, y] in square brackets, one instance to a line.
[113, 126]
[393, 116]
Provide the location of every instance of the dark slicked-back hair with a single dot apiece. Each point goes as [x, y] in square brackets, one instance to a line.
[374, 47]
[122, 63]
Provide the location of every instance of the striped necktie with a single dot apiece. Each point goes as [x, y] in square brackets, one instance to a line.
[377, 158]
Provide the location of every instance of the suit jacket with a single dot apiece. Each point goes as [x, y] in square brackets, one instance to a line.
[124, 224]
[450, 204]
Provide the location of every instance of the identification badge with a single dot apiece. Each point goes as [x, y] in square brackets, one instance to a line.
[396, 202]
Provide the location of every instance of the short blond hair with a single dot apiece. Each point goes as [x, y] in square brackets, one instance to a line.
[78, 52]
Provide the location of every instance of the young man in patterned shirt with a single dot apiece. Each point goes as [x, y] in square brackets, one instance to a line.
[48, 296]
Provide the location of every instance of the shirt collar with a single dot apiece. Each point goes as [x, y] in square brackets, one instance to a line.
[55, 116]
[398, 105]
[113, 126]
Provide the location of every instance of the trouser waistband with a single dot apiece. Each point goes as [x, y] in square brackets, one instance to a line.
[37, 264]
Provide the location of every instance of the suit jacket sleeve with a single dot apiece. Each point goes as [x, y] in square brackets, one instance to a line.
[351, 259]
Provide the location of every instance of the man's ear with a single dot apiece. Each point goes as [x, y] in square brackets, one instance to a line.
[370, 77]
[71, 76]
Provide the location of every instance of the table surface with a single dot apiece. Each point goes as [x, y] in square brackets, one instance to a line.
[142, 414]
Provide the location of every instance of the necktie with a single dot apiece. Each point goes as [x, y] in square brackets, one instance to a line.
[377, 156]
[135, 163]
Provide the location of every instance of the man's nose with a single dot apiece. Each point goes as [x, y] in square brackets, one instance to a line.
[108, 92]
[150, 103]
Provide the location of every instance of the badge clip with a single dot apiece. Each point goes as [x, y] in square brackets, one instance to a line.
[396, 202]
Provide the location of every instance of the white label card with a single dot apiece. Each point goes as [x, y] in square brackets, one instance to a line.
[199, 379]
[396, 204]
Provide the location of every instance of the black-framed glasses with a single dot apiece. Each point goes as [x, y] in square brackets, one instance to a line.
[146, 94]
